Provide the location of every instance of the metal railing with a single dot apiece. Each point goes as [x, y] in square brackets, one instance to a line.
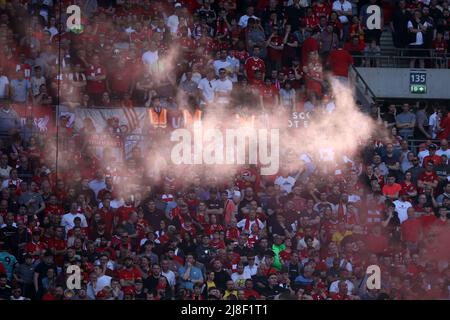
[356, 78]
[388, 61]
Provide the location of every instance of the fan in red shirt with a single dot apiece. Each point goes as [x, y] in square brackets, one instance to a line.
[241, 54]
[232, 233]
[96, 78]
[428, 219]
[128, 276]
[445, 125]
[275, 48]
[249, 291]
[309, 45]
[188, 227]
[124, 211]
[340, 60]
[321, 9]
[35, 247]
[269, 95]
[376, 242]
[52, 208]
[213, 225]
[253, 64]
[427, 178]
[216, 243]
[411, 229]
[120, 79]
[311, 21]
[433, 157]
[58, 246]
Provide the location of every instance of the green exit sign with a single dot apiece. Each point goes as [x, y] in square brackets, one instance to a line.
[418, 88]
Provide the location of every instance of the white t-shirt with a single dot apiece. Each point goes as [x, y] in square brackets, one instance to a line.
[334, 287]
[419, 35]
[170, 275]
[345, 6]
[67, 221]
[433, 122]
[224, 87]
[102, 282]
[440, 152]
[244, 19]
[219, 64]
[241, 224]
[402, 209]
[150, 59]
[4, 173]
[252, 270]
[3, 83]
[173, 22]
[96, 186]
[285, 184]
[422, 154]
[207, 88]
[239, 279]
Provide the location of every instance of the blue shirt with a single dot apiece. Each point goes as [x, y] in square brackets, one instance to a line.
[9, 261]
[196, 274]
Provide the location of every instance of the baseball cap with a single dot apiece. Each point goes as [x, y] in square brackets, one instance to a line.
[432, 146]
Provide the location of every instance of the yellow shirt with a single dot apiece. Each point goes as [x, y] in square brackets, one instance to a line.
[338, 237]
[210, 284]
[227, 293]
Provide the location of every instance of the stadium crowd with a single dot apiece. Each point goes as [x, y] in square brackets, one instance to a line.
[301, 234]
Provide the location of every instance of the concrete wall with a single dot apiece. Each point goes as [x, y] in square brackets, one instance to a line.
[395, 82]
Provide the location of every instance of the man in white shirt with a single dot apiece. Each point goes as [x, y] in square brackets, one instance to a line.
[102, 279]
[343, 9]
[285, 182]
[98, 183]
[344, 276]
[251, 268]
[222, 88]
[443, 149]
[244, 19]
[206, 88]
[169, 274]
[5, 169]
[240, 276]
[173, 21]
[433, 123]
[222, 63]
[402, 205]
[67, 219]
[4, 84]
[150, 57]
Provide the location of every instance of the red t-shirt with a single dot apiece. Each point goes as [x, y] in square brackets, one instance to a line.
[54, 210]
[377, 243]
[321, 9]
[427, 221]
[120, 80]
[309, 45]
[340, 60]
[96, 87]
[275, 54]
[129, 275]
[124, 213]
[411, 230]
[435, 158]
[252, 65]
